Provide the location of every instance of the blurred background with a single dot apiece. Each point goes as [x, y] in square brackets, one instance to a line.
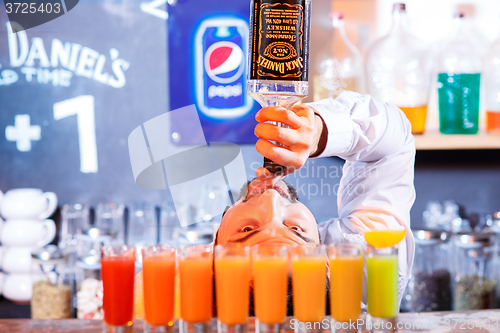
[73, 89]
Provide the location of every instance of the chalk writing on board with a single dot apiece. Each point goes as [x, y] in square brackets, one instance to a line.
[64, 60]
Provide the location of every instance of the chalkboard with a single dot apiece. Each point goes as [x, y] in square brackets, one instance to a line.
[71, 92]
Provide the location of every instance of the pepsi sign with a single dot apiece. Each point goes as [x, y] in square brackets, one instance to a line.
[220, 67]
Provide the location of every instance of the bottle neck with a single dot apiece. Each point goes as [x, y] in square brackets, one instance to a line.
[458, 28]
[399, 21]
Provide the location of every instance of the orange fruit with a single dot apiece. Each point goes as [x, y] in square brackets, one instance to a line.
[138, 297]
[384, 238]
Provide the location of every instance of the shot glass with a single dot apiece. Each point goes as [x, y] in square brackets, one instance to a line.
[309, 286]
[118, 269]
[382, 288]
[158, 269]
[196, 279]
[232, 287]
[270, 286]
[346, 285]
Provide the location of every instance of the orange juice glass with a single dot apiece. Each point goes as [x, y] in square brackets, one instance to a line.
[232, 287]
[117, 270]
[158, 269]
[196, 280]
[346, 281]
[309, 285]
[270, 286]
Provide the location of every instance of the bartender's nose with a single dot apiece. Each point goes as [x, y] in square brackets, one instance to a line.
[271, 206]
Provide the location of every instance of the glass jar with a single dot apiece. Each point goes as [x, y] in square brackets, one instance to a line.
[475, 285]
[89, 288]
[52, 294]
[429, 288]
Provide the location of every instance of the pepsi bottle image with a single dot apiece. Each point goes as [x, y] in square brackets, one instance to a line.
[220, 61]
[278, 59]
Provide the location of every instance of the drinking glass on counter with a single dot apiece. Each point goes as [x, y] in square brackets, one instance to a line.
[158, 269]
[270, 274]
[196, 278]
[117, 270]
[346, 281]
[232, 285]
[309, 286]
[110, 216]
[382, 285]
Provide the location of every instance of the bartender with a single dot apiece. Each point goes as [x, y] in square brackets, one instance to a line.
[376, 190]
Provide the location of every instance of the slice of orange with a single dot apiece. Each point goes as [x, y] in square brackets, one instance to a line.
[384, 238]
[138, 297]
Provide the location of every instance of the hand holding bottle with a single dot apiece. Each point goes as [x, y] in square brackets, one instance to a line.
[293, 145]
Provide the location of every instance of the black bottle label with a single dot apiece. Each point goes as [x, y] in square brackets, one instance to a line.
[279, 43]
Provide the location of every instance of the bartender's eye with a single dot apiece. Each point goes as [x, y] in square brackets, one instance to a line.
[247, 228]
[295, 227]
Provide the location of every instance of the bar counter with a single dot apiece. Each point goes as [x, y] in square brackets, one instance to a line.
[483, 321]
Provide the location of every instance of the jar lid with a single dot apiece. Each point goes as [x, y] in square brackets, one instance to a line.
[399, 7]
[429, 236]
[474, 239]
[89, 262]
[99, 232]
[49, 254]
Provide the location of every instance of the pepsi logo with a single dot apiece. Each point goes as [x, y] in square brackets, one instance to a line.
[224, 62]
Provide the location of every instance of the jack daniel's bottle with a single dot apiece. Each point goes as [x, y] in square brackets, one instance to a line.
[278, 55]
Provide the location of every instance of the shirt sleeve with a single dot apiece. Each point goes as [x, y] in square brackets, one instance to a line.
[376, 190]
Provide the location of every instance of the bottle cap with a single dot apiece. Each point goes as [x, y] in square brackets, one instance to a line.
[400, 6]
[337, 15]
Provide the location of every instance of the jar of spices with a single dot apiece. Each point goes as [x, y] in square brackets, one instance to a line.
[89, 288]
[429, 288]
[52, 294]
[475, 285]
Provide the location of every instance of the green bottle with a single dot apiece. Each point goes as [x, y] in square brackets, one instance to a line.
[459, 83]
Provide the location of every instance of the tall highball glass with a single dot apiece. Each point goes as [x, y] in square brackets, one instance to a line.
[117, 270]
[232, 287]
[309, 287]
[270, 286]
[158, 269]
[195, 265]
[382, 288]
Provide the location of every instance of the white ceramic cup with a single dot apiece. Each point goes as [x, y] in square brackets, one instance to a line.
[28, 233]
[18, 287]
[17, 260]
[27, 203]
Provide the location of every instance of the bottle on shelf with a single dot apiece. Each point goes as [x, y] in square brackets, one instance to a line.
[491, 82]
[459, 75]
[399, 70]
[339, 65]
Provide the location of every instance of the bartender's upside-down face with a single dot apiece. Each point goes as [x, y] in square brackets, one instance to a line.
[268, 211]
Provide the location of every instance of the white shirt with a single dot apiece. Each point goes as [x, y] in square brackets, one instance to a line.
[376, 190]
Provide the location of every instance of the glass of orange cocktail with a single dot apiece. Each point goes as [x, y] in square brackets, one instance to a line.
[270, 286]
[196, 279]
[232, 287]
[346, 282]
[158, 269]
[309, 286]
[117, 270]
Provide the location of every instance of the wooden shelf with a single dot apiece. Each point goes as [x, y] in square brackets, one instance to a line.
[438, 141]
